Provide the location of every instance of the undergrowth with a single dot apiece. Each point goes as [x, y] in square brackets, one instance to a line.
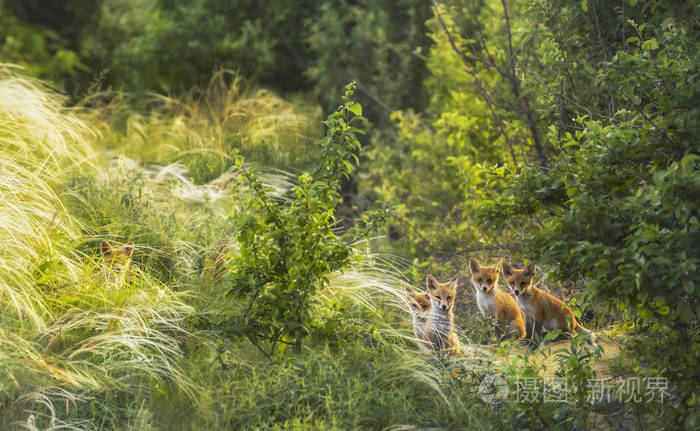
[81, 349]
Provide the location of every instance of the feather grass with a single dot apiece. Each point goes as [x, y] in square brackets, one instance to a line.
[81, 349]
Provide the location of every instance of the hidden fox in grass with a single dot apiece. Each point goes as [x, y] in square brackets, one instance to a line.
[545, 311]
[116, 259]
[419, 308]
[442, 330]
[493, 302]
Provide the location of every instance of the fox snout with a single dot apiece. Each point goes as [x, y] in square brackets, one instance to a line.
[481, 286]
[441, 306]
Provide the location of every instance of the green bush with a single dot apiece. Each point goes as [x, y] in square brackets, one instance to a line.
[288, 248]
[618, 203]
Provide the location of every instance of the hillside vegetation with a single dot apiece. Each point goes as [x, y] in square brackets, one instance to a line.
[211, 211]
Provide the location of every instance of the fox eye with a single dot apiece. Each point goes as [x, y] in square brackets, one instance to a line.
[522, 284]
[413, 305]
[489, 281]
[449, 297]
[512, 283]
[479, 279]
[437, 297]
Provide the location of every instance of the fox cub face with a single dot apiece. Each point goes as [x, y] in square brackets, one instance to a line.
[484, 278]
[519, 280]
[442, 295]
[418, 303]
[116, 259]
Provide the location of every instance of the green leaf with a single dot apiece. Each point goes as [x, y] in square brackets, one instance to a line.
[552, 335]
[584, 5]
[356, 109]
[688, 163]
[688, 286]
[68, 300]
[685, 312]
[650, 44]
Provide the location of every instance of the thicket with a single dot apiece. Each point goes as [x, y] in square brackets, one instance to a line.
[563, 132]
[560, 131]
[315, 47]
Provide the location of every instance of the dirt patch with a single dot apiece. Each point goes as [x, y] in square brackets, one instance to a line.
[544, 358]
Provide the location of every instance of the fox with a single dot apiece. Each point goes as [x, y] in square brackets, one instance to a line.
[442, 300]
[545, 311]
[493, 302]
[419, 308]
[116, 259]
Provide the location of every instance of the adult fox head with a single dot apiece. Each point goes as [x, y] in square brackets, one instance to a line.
[116, 259]
[442, 295]
[418, 303]
[519, 280]
[484, 278]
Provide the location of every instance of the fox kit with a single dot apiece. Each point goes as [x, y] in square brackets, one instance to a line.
[495, 303]
[442, 300]
[116, 260]
[419, 307]
[545, 311]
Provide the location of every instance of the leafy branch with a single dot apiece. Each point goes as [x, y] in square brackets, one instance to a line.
[288, 249]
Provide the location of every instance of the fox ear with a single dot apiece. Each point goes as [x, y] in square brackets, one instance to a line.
[474, 266]
[529, 270]
[454, 284]
[410, 291]
[129, 248]
[431, 282]
[507, 269]
[105, 247]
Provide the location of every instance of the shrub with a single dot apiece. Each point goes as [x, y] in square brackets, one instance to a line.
[287, 249]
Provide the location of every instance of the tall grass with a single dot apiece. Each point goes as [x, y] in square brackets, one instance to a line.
[81, 349]
[40, 144]
[204, 130]
[66, 330]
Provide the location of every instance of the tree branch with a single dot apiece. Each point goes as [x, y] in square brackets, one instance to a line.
[515, 88]
[605, 54]
[509, 74]
[499, 122]
[466, 58]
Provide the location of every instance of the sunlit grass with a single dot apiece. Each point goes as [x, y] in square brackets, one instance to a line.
[66, 328]
[205, 130]
[81, 348]
[72, 335]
